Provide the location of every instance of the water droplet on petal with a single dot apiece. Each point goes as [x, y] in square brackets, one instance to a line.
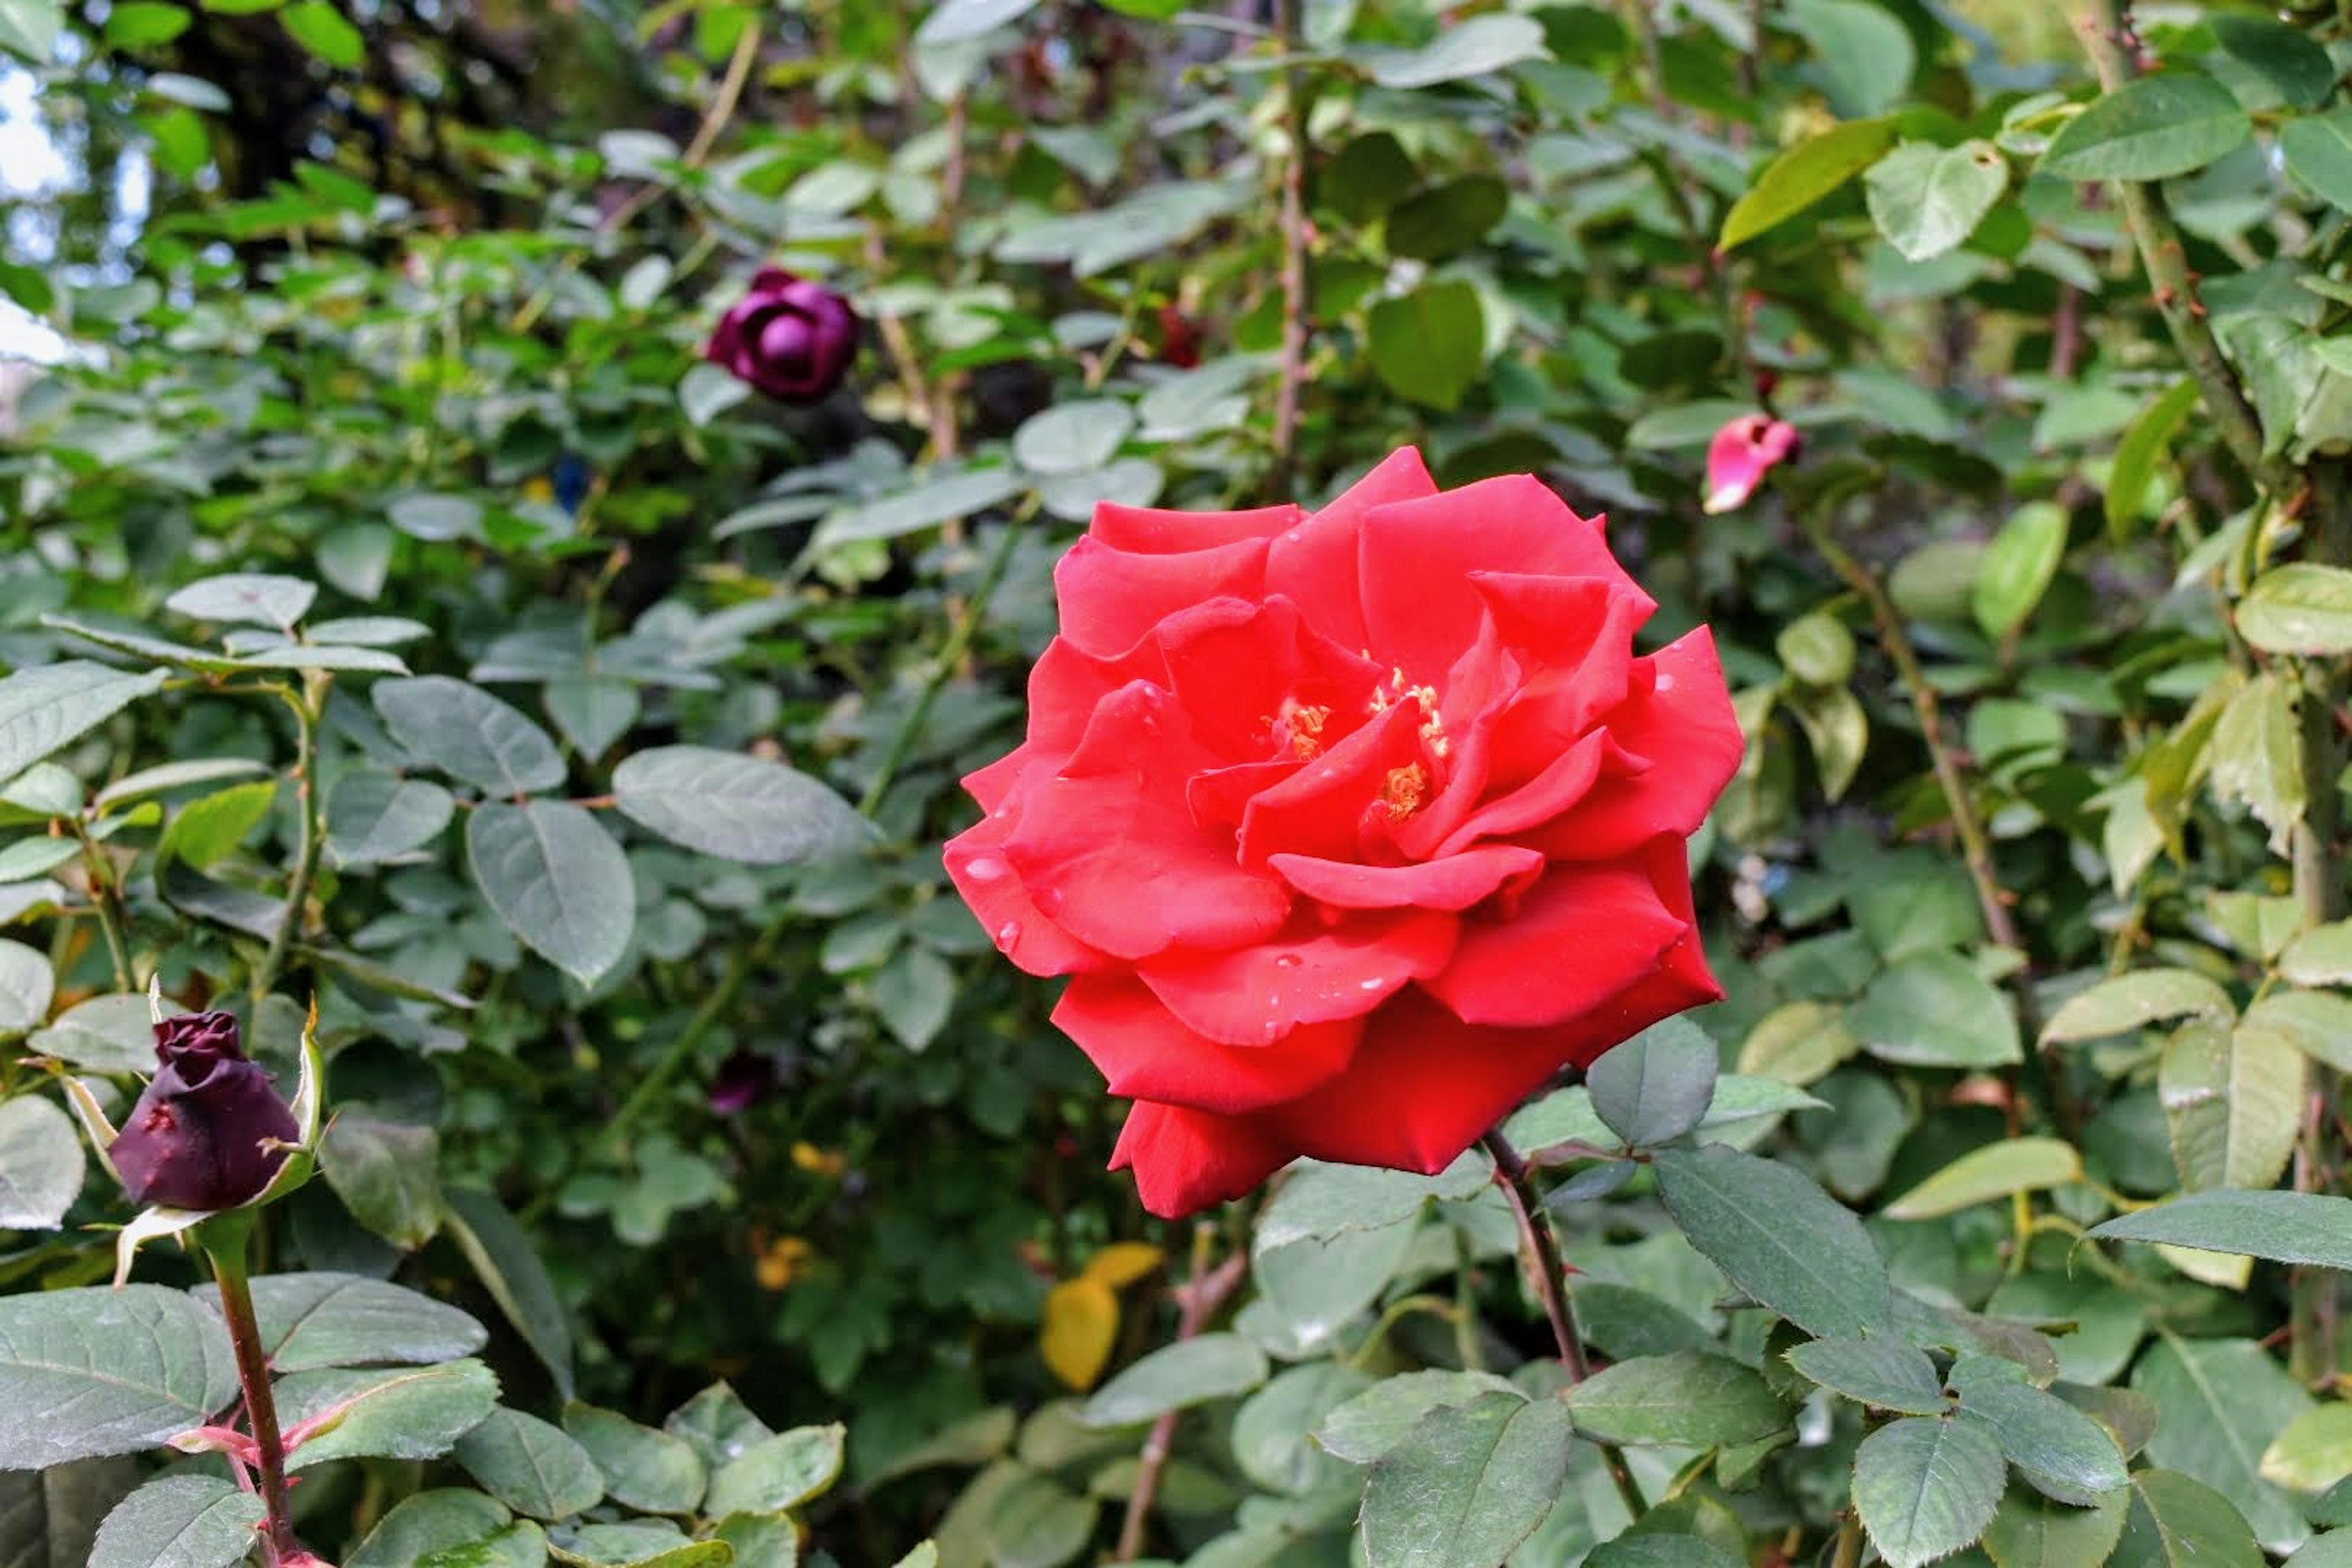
[1665, 683]
[1007, 934]
[1272, 1030]
[983, 868]
[1374, 983]
[1288, 960]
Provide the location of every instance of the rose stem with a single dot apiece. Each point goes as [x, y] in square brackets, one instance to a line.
[1197, 1302]
[1550, 1274]
[1293, 359]
[309, 832]
[223, 1239]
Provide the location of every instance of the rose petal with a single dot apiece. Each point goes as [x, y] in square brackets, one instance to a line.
[1548, 795]
[1111, 599]
[1184, 1161]
[1109, 850]
[1315, 563]
[1454, 883]
[1146, 1052]
[1254, 996]
[1150, 531]
[1318, 809]
[1679, 718]
[1414, 559]
[1572, 638]
[1581, 935]
[976, 864]
[1245, 672]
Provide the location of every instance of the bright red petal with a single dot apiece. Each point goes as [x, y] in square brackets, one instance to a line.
[976, 864]
[1555, 790]
[1254, 996]
[1184, 1161]
[1111, 599]
[1317, 810]
[1146, 1052]
[1150, 531]
[1456, 882]
[1315, 563]
[1680, 718]
[1582, 934]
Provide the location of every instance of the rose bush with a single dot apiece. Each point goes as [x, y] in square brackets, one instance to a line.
[1350, 829]
[791, 338]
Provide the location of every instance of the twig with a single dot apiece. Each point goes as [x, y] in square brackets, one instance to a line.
[105, 895]
[1197, 1301]
[1292, 373]
[309, 830]
[1550, 1279]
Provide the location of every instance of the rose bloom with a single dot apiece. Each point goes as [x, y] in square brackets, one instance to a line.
[1351, 828]
[206, 1131]
[1740, 455]
[791, 338]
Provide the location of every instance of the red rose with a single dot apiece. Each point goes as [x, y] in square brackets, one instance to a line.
[791, 338]
[209, 1132]
[1350, 829]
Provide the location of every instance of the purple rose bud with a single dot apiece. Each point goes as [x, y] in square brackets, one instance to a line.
[742, 1080]
[791, 338]
[205, 1134]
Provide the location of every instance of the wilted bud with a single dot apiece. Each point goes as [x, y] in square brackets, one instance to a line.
[209, 1132]
[791, 338]
[1739, 457]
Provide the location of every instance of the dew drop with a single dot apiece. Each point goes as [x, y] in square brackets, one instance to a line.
[1007, 934]
[984, 868]
[1288, 960]
[1374, 984]
[1272, 1030]
[1665, 683]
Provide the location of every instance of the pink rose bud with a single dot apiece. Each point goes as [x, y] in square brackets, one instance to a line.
[791, 338]
[210, 1131]
[1739, 457]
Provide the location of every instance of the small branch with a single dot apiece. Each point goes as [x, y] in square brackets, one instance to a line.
[309, 832]
[223, 1239]
[1550, 1279]
[1292, 374]
[1197, 1301]
[105, 901]
[1849, 1543]
[2111, 41]
[951, 655]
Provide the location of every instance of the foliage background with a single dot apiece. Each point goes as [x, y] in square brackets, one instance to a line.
[404, 301]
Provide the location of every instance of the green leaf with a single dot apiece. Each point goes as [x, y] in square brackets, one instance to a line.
[739, 807]
[245, 598]
[2233, 1099]
[41, 1163]
[2295, 608]
[1865, 56]
[1467, 1485]
[2309, 1228]
[319, 26]
[1427, 346]
[592, 711]
[2321, 956]
[557, 880]
[1883, 1373]
[386, 1171]
[2318, 153]
[1928, 199]
[1630, 1551]
[1803, 175]
[1272, 1432]
[28, 28]
[717, 1424]
[1931, 1009]
[44, 708]
[2018, 566]
[373, 817]
[179, 1522]
[642, 1469]
[169, 776]
[1190, 1372]
[1448, 218]
[1321, 1201]
[531, 1466]
[1656, 1086]
[401, 1413]
[1378, 1419]
[913, 993]
[521, 1544]
[759, 1540]
[955, 20]
[2032, 1533]
[1472, 46]
[1995, 1171]
[2061, 1451]
[91, 1372]
[207, 831]
[2256, 756]
[1780, 1237]
[2296, 69]
[426, 1522]
[2177, 1522]
[467, 733]
[1691, 1397]
[2154, 127]
[1817, 649]
[138, 24]
[1927, 1486]
[2316, 1023]
[2132, 1001]
[2315, 1452]
[502, 1257]
[2219, 1403]
[778, 1472]
[1073, 437]
[941, 498]
[2143, 443]
[26, 988]
[321, 1320]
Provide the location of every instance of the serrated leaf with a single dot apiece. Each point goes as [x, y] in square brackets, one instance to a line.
[179, 1522]
[557, 880]
[1780, 1237]
[324, 1319]
[463, 731]
[44, 708]
[739, 807]
[91, 1372]
[1190, 1372]
[1926, 1487]
[1928, 199]
[1884, 1374]
[1692, 1398]
[1656, 1086]
[1467, 1485]
[2132, 1001]
[777, 1473]
[2154, 127]
[41, 1163]
[373, 815]
[531, 1466]
[1995, 1171]
[245, 598]
[403, 1413]
[2219, 1403]
[1804, 174]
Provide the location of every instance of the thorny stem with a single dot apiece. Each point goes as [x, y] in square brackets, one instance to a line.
[1550, 1279]
[104, 898]
[223, 1239]
[309, 831]
[1293, 371]
[1849, 1544]
[1197, 1302]
[951, 656]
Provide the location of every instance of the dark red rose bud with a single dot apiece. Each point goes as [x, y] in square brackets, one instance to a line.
[789, 337]
[742, 1080]
[1180, 342]
[205, 1133]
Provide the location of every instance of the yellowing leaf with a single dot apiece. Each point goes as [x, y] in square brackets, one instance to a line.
[1122, 1263]
[1081, 1320]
